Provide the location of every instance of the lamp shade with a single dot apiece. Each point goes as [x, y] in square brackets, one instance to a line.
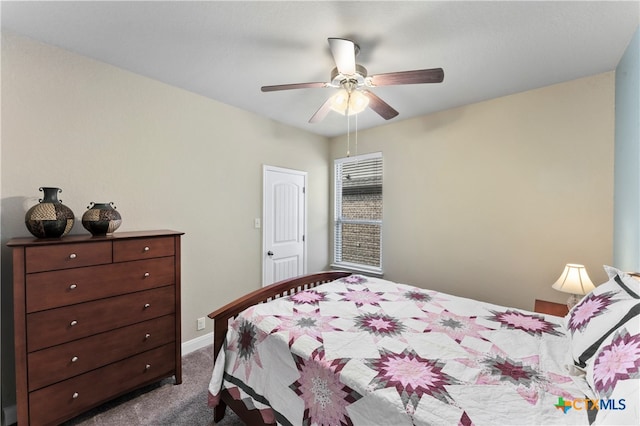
[574, 280]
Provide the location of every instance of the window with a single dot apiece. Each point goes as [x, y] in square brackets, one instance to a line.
[358, 213]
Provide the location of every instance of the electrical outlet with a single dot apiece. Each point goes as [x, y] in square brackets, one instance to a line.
[201, 324]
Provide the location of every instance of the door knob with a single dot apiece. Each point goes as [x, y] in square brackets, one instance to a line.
[269, 253]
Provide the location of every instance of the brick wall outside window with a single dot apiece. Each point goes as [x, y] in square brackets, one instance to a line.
[361, 242]
[359, 218]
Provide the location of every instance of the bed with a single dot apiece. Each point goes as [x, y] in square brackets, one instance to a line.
[334, 348]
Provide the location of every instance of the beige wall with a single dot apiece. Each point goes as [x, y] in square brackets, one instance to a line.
[490, 200]
[168, 159]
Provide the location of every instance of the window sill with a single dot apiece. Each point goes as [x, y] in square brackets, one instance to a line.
[370, 271]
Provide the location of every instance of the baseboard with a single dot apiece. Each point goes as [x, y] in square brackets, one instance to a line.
[9, 415]
[197, 343]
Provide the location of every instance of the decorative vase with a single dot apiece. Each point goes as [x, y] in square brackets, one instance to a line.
[101, 218]
[49, 218]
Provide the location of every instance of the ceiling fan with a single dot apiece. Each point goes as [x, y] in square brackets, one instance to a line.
[354, 83]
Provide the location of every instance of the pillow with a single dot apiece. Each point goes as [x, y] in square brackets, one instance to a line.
[613, 373]
[630, 284]
[598, 314]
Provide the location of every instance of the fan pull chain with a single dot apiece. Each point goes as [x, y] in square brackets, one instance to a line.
[356, 135]
[348, 125]
[357, 228]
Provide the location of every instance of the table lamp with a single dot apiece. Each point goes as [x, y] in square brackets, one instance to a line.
[574, 280]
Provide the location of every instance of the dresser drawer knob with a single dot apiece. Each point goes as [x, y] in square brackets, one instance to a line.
[74, 359]
[74, 322]
[147, 336]
[146, 274]
[146, 248]
[148, 366]
[72, 256]
[75, 395]
[147, 305]
[73, 287]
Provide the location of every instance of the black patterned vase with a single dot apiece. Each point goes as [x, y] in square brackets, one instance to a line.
[49, 218]
[101, 219]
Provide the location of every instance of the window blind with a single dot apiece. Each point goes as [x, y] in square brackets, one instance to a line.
[358, 212]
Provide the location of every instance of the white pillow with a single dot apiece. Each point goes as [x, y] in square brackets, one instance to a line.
[613, 373]
[600, 313]
[632, 284]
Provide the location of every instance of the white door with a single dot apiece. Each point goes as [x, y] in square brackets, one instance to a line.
[284, 224]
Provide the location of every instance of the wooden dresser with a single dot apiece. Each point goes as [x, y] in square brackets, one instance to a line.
[95, 317]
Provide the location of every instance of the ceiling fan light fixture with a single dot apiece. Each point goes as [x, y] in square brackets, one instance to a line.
[347, 103]
[353, 83]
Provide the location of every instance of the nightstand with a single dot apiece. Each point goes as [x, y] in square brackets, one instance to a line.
[551, 308]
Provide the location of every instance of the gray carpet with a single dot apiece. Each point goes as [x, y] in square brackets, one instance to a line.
[164, 404]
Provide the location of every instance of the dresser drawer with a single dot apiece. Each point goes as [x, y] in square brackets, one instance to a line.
[60, 325]
[64, 256]
[61, 362]
[46, 290]
[143, 248]
[59, 402]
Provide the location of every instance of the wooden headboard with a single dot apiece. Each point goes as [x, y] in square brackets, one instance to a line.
[222, 316]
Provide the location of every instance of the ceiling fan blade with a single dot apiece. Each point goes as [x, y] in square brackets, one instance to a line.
[322, 112]
[433, 75]
[344, 55]
[378, 105]
[291, 86]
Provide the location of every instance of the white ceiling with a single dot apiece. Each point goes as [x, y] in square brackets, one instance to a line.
[227, 50]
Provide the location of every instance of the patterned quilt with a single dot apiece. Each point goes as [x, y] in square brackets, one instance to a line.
[366, 351]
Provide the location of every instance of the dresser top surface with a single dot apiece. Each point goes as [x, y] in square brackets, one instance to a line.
[33, 241]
